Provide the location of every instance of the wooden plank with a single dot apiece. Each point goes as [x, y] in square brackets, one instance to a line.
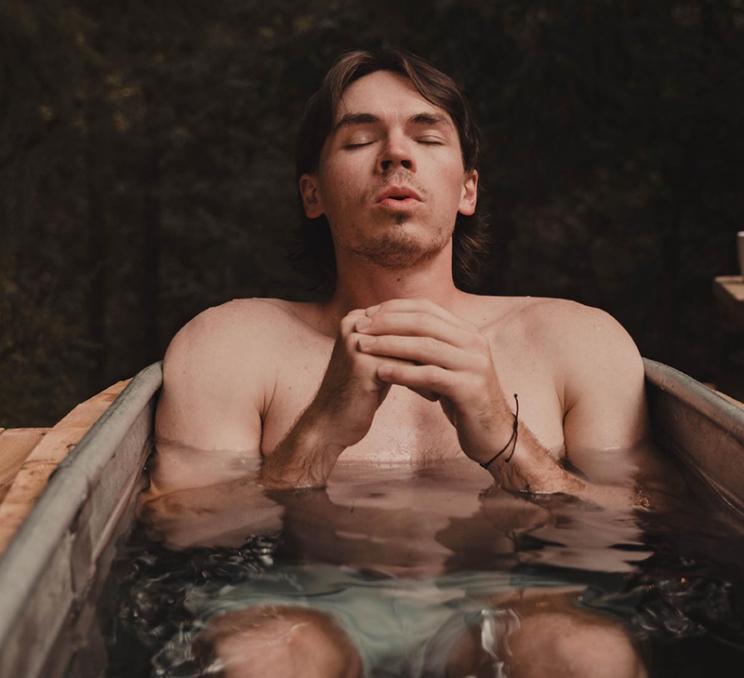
[729, 291]
[40, 463]
[15, 446]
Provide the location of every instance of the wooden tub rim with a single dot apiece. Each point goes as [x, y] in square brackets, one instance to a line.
[34, 544]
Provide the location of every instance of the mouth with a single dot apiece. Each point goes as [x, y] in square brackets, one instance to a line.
[398, 197]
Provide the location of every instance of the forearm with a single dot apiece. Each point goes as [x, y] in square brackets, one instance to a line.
[305, 458]
[532, 469]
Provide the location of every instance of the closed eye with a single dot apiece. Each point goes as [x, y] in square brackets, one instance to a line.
[358, 145]
[431, 142]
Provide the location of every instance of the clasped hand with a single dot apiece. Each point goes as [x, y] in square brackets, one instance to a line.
[417, 344]
[444, 358]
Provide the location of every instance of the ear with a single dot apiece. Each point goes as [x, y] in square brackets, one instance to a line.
[469, 196]
[310, 192]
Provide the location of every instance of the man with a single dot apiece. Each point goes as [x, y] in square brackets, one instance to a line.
[398, 364]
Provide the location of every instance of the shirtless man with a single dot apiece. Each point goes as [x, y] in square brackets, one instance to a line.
[399, 364]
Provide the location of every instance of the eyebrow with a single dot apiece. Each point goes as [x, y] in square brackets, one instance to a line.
[352, 119]
[431, 119]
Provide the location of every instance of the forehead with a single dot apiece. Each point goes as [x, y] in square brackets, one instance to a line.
[384, 94]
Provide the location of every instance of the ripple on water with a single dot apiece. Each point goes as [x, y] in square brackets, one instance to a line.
[426, 535]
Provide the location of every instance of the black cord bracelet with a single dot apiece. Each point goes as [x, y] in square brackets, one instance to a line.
[512, 440]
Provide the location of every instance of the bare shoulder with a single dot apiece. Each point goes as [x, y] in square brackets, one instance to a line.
[587, 349]
[234, 317]
[222, 333]
[581, 337]
[576, 324]
[216, 385]
[549, 321]
[218, 362]
[600, 371]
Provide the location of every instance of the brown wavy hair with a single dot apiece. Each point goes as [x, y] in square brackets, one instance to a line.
[314, 251]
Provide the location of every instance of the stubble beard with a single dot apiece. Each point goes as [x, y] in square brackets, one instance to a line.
[397, 249]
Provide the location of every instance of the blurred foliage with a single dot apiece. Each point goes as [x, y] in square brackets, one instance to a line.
[146, 164]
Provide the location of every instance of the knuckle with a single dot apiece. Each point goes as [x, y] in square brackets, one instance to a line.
[482, 362]
[432, 375]
[350, 341]
[480, 384]
[349, 320]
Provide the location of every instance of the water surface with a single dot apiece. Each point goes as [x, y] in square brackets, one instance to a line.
[438, 536]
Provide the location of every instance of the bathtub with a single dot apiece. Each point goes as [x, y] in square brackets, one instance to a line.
[54, 569]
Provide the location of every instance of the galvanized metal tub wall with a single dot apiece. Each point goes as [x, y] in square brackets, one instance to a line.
[53, 570]
[701, 428]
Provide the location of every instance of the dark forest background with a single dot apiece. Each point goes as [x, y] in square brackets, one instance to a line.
[146, 164]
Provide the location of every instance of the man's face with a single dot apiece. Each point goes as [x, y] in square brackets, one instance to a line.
[391, 179]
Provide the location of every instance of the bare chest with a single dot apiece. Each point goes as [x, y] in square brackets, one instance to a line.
[407, 427]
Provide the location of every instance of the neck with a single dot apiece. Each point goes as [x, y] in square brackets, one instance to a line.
[361, 283]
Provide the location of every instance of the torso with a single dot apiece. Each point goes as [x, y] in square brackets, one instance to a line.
[408, 427]
[285, 347]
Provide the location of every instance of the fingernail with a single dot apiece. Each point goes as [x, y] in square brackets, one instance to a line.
[362, 323]
[366, 342]
[373, 309]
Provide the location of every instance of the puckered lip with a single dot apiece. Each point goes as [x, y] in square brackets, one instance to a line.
[400, 192]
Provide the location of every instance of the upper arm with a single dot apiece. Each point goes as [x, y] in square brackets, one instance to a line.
[215, 382]
[604, 387]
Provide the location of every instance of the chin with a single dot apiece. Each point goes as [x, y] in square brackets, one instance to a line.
[400, 249]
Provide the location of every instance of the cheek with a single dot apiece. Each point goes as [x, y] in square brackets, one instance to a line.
[340, 189]
[454, 190]
[450, 177]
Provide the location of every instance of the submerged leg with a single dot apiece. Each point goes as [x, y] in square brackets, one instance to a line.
[573, 643]
[545, 635]
[276, 641]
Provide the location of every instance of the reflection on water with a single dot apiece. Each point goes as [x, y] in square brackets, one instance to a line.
[404, 521]
[438, 547]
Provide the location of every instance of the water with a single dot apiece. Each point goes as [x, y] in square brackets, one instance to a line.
[429, 549]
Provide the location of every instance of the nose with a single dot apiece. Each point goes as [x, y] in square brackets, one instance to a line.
[396, 152]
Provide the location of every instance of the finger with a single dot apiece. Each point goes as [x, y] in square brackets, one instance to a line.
[372, 362]
[420, 305]
[347, 322]
[419, 377]
[415, 324]
[424, 350]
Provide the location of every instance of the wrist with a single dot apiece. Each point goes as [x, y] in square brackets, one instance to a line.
[507, 450]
